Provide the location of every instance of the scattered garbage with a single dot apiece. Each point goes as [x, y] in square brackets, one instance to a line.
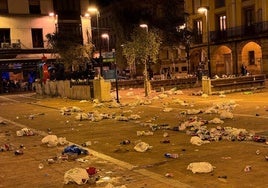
[142, 147]
[195, 140]
[41, 166]
[53, 140]
[216, 121]
[200, 167]
[226, 115]
[86, 144]
[18, 152]
[109, 185]
[258, 152]
[145, 133]
[6, 147]
[171, 155]
[125, 142]
[191, 112]
[257, 138]
[74, 149]
[69, 110]
[25, 132]
[169, 175]
[2, 122]
[76, 175]
[248, 168]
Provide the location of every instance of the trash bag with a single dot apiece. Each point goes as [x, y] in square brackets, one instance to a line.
[76, 175]
[195, 140]
[142, 147]
[200, 167]
[73, 149]
[50, 140]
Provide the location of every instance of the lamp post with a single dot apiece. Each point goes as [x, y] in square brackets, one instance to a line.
[186, 35]
[204, 10]
[55, 19]
[146, 81]
[106, 36]
[95, 10]
[116, 77]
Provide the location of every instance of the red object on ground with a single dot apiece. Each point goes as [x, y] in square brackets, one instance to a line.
[91, 171]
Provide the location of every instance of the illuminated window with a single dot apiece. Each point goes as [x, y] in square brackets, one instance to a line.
[4, 35]
[222, 22]
[199, 27]
[34, 6]
[3, 6]
[37, 38]
[198, 30]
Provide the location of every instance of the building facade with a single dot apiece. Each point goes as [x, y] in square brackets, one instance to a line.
[24, 25]
[228, 35]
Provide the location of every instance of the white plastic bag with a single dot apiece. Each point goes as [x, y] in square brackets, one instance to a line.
[77, 175]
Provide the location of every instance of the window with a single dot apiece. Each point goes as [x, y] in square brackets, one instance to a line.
[249, 16]
[199, 27]
[4, 35]
[34, 6]
[37, 38]
[219, 3]
[222, 22]
[251, 57]
[3, 6]
[198, 30]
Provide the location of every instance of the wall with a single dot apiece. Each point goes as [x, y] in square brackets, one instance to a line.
[63, 89]
[101, 90]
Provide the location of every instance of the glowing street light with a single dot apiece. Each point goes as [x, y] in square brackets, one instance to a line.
[106, 36]
[55, 17]
[144, 26]
[204, 10]
[146, 81]
[96, 11]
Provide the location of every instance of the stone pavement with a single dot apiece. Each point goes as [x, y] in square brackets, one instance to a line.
[126, 173]
[22, 170]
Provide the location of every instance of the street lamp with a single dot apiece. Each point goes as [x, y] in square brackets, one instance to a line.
[146, 81]
[144, 26]
[116, 77]
[186, 36]
[106, 36]
[96, 11]
[204, 10]
[55, 17]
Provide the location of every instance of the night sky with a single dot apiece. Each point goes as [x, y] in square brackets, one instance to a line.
[103, 2]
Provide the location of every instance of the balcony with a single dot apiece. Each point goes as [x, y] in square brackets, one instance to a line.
[14, 44]
[259, 29]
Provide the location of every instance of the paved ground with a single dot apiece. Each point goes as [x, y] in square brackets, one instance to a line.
[119, 164]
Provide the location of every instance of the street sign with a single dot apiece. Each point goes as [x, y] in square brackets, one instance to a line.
[108, 60]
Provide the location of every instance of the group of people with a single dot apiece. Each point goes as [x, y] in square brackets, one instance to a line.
[15, 85]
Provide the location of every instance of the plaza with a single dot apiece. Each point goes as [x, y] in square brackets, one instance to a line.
[236, 162]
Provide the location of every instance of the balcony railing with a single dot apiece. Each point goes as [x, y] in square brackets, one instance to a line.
[14, 44]
[242, 32]
[236, 33]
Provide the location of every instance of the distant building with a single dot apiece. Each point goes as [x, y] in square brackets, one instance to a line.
[24, 25]
[238, 36]
[156, 14]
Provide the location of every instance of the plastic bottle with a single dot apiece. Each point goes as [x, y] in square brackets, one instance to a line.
[169, 155]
